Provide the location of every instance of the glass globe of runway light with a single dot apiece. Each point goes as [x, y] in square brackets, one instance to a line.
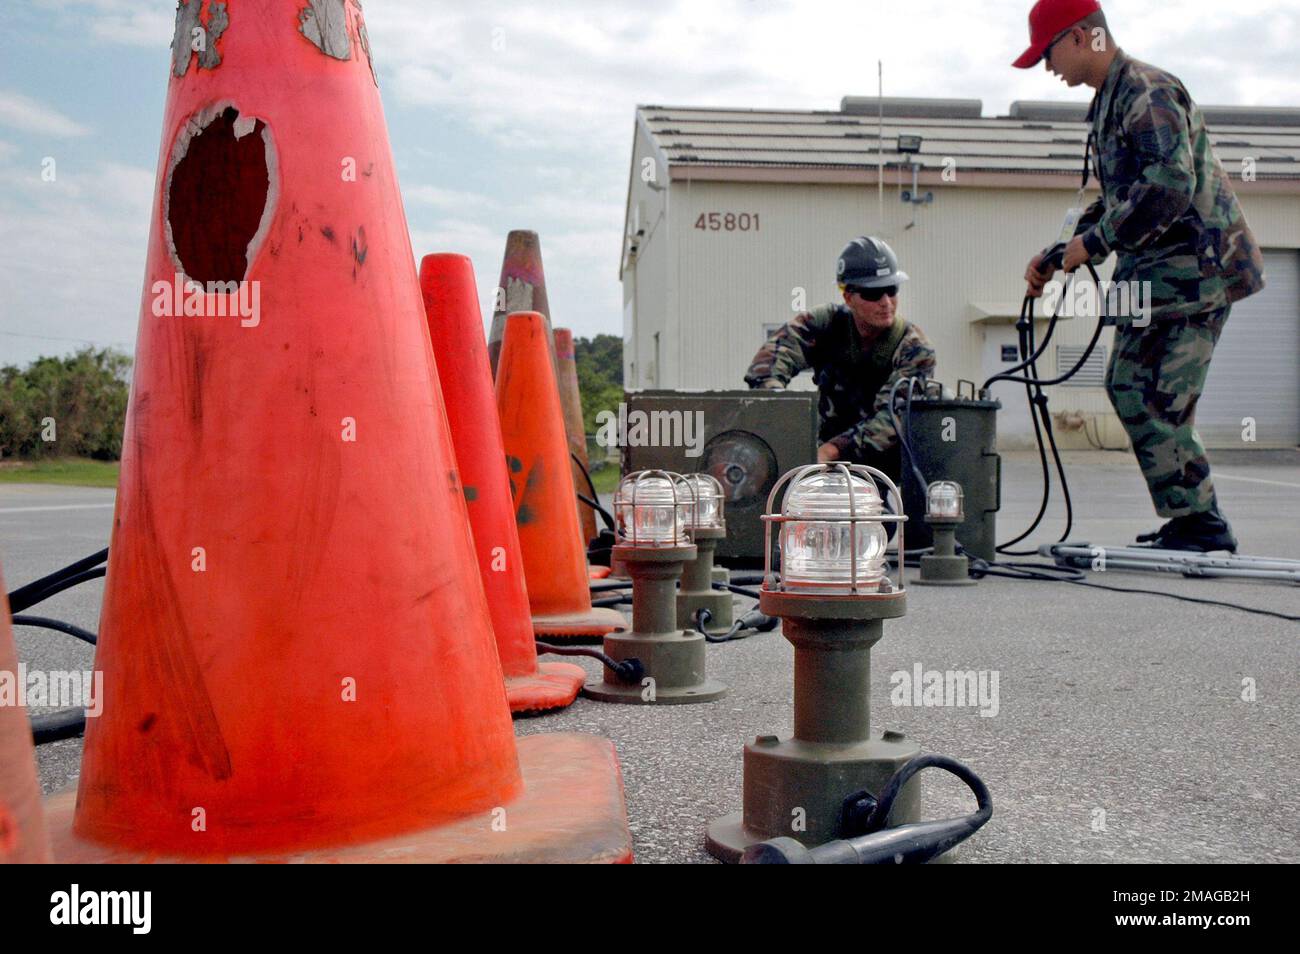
[708, 497]
[649, 509]
[833, 537]
[944, 500]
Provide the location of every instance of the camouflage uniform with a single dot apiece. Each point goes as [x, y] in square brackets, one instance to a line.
[854, 381]
[1167, 208]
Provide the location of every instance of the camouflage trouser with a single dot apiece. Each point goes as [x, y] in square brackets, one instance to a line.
[1155, 378]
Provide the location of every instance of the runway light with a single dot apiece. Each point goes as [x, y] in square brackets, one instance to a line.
[709, 501]
[831, 538]
[944, 500]
[649, 511]
[654, 513]
[708, 526]
[833, 595]
[944, 512]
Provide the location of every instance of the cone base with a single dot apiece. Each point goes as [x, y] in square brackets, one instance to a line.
[572, 812]
[597, 572]
[706, 691]
[553, 686]
[596, 621]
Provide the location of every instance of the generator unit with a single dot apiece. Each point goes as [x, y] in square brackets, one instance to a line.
[745, 439]
[954, 438]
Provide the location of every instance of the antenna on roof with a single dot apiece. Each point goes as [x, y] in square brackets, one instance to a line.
[880, 145]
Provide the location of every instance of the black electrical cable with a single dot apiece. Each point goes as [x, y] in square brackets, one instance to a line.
[594, 500]
[751, 623]
[733, 588]
[44, 622]
[30, 598]
[607, 586]
[1054, 573]
[64, 724]
[628, 670]
[865, 839]
[23, 597]
[1038, 409]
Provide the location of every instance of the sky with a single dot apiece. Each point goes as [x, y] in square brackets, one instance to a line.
[507, 115]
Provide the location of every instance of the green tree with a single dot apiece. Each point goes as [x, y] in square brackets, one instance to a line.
[600, 376]
[79, 399]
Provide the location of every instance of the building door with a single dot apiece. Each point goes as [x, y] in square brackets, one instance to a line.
[1255, 374]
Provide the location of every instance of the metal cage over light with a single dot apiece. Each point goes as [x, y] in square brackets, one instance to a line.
[833, 539]
[653, 508]
[709, 502]
[944, 500]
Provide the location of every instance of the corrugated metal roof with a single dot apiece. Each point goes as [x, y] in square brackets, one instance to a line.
[1037, 138]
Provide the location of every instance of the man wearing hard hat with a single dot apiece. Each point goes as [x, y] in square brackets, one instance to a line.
[857, 351]
[1168, 211]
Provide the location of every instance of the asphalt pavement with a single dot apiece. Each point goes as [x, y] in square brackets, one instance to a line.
[1127, 727]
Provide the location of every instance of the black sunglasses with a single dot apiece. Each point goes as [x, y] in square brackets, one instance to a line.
[1047, 53]
[875, 294]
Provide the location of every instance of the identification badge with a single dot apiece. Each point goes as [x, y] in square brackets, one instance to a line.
[1072, 217]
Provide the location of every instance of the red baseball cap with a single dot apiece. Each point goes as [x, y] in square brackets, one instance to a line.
[1048, 19]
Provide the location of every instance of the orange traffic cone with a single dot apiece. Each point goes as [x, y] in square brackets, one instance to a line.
[22, 825]
[532, 426]
[566, 368]
[456, 328]
[522, 288]
[297, 653]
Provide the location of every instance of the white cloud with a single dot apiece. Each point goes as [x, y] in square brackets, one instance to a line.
[24, 113]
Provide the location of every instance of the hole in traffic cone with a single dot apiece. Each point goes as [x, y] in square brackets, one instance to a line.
[297, 655]
[23, 839]
[541, 480]
[456, 329]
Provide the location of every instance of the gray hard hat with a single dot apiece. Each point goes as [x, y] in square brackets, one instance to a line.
[868, 263]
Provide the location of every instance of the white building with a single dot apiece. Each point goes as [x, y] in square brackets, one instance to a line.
[735, 219]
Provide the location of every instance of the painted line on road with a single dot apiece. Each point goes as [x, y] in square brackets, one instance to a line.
[1255, 480]
[98, 506]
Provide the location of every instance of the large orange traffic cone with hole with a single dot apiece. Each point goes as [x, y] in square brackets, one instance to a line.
[566, 368]
[537, 452]
[456, 329]
[22, 823]
[522, 288]
[298, 660]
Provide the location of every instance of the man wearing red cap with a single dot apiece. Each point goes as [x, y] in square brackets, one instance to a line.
[1168, 210]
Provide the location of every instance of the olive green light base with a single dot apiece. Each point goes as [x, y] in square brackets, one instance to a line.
[944, 567]
[796, 787]
[674, 660]
[696, 591]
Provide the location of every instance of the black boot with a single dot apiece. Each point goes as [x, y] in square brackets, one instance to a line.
[1198, 532]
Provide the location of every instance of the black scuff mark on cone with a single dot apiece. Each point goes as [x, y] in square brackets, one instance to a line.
[188, 21]
[363, 39]
[359, 250]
